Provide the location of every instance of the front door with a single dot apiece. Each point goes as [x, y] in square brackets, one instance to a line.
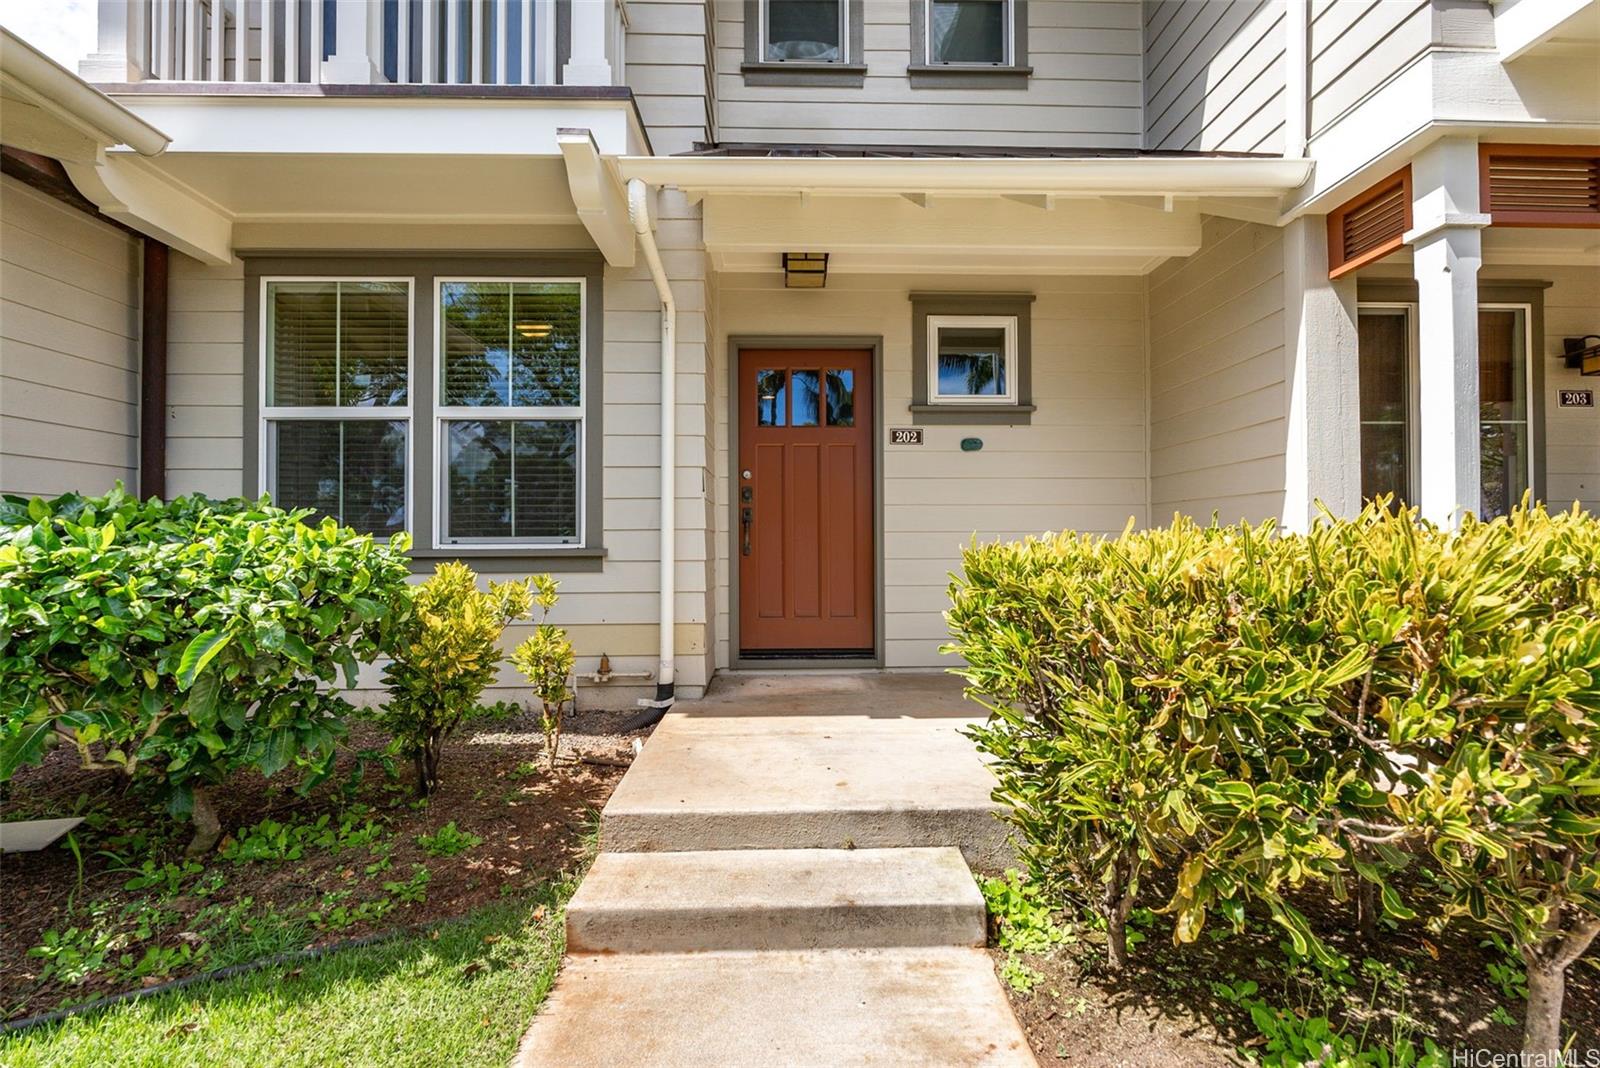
[803, 502]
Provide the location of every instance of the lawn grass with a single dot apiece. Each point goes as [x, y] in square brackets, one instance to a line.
[460, 993]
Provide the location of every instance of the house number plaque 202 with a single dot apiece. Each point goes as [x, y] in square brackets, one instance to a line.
[902, 435]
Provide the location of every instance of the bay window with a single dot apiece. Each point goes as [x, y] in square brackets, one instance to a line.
[453, 397]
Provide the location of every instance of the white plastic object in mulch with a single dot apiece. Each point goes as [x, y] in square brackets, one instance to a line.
[30, 836]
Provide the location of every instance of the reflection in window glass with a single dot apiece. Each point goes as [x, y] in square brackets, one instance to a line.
[511, 480]
[1384, 368]
[972, 361]
[1503, 408]
[353, 470]
[841, 398]
[511, 344]
[967, 31]
[772, 399]
[806, 30]
[339, 344]
[807, 402]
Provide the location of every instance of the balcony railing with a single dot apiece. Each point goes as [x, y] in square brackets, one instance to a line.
[422, 42]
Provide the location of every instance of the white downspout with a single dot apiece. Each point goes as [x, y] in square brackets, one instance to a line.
[639, 215]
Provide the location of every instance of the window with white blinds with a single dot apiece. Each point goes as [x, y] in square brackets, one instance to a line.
[509, 411]
[337, 411]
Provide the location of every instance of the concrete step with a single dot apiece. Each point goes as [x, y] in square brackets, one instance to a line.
[775, 899]
[706, 782]
[796, 1008]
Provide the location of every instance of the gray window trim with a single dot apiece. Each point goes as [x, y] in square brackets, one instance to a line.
[923, 413]
[1493, 291]
[423, 269]
[758, 70]
[926, 75]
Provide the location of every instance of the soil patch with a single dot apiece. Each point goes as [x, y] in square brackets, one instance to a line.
[341, 863]
[1188, 1007]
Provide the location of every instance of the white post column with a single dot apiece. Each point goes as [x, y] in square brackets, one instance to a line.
[358, 44]
[588, 64]
[1447, 250]
[121, 32]
[1322, 454]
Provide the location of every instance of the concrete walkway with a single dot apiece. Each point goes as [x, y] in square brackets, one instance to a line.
[783, 882]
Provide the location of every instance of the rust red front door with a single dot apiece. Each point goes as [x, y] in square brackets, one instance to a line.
[803, 502]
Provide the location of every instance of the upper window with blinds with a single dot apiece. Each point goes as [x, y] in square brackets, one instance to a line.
[336, 422]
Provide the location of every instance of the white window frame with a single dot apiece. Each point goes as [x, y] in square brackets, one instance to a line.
[1009, 44]
[266, 460]
[1414, 370]
[1008, 324]
[443, 414]
[764, 38]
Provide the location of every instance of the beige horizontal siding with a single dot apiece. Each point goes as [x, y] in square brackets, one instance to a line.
[1214, 75]
[1084, 90]
[69, 348]
[668, 68]
[1217, 394]
[1079, 466]
[1358, 45]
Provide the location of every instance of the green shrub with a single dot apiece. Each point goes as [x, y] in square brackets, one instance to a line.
[546, 659]
[185, 640]
[447, 653]
[1257, 711]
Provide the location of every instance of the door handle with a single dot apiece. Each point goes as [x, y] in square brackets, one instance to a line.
[746, 518]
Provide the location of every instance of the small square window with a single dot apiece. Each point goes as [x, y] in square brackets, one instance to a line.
[968, 31]
[806, 31]
[972, 359]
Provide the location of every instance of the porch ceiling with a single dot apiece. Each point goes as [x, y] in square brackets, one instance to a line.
[967, 235]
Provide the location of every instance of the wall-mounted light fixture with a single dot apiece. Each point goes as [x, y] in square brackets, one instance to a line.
[805, 270]
[1583, 353]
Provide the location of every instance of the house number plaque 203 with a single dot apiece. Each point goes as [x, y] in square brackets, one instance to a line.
[1576, 398]
[901, 435]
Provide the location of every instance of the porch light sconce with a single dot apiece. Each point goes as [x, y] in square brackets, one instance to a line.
[1583, 353]
[805, 270]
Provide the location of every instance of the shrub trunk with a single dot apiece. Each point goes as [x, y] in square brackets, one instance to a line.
[207, 827]
[1116, 901]
[427, 756]
[1541, 1027]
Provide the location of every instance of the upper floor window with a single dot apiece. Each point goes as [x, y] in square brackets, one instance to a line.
[811, 31]
[968, 31]
[969, 44]
[803, 42]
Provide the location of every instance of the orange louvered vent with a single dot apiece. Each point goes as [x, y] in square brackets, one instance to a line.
[1368, 227]
[1541, 185]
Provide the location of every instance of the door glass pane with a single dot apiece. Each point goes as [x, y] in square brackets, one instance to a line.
[972, 361]
[351, 470]
[512, 480]
[804, 30]
[841, 398]
[1384, 368]
[967, 31]
[806, 399]
[1503, 408]
[772, 399]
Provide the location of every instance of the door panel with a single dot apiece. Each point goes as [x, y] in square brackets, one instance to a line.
[804, 515]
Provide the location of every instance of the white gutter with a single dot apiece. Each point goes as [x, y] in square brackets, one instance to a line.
[1099, 176]
[639, 215]
[74, 100]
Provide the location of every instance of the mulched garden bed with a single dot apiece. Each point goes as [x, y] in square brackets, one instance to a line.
[1187, 1007]
[291, 871]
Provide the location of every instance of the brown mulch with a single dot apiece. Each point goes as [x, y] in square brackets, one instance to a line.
[535, 823]
[1164, 1010]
